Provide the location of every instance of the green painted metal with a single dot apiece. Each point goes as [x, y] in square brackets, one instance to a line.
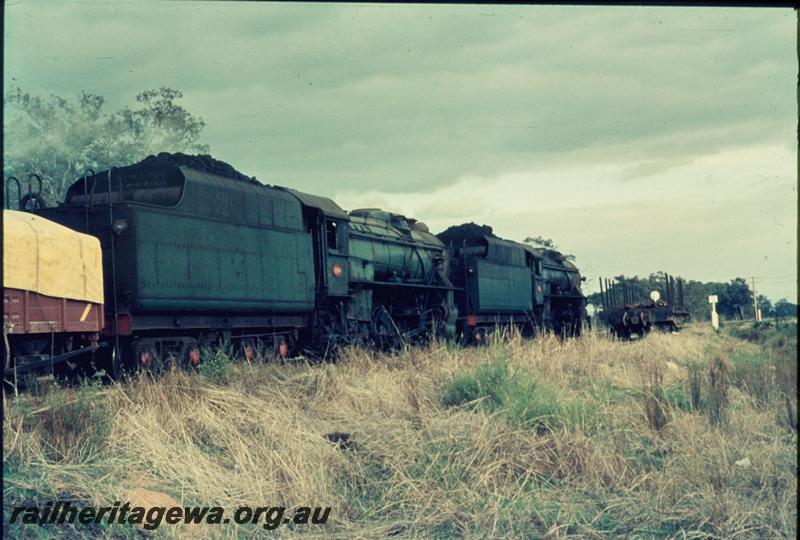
[500, 288]
[338, 285]
[386, 247]
[226, 246]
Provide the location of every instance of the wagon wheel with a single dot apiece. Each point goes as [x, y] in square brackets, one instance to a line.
[192, 356]
[283, 348]
[249, 350]
[148, 358]
[668, 326]
[154, 359]
[480, 336]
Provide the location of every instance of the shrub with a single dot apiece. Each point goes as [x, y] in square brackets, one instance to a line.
[486, 382]
[752, 373]
[520, 398]
[215, 365]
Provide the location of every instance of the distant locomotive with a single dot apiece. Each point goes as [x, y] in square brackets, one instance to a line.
[194, 253]
[508, 283]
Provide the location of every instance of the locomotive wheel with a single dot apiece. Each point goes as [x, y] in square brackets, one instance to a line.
[480, 336]
[192, 356]
[159, 355]
[249, 351]
[151, 360]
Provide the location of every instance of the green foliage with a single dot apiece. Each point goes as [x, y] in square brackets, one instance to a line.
[677, 398]
[780, 335]
[765, 305]
[771, 374]
[59, 138]
[735, 298]
[540, 241]
[547, 243]
[486, 382]
[784, 308]
[77, 422]
[215, 365]
[753, 373]
[520, 398]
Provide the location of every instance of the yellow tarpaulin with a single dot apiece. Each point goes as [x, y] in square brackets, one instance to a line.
[48, 258]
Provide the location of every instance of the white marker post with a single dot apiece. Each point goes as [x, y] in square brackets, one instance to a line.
[712, 299]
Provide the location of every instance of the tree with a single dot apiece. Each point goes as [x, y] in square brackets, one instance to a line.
[546, 243]
[784, 308]
[59, 139]
[735, 298]
[540, 241]
[765, 305]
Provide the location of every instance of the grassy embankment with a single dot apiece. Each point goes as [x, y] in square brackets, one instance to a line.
[690, 435]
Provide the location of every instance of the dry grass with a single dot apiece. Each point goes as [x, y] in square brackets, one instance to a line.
[589, 438]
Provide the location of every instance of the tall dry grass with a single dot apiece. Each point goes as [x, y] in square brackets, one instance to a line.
[590, 438]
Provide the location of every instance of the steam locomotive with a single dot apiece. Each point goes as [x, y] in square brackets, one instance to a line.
[193, 256]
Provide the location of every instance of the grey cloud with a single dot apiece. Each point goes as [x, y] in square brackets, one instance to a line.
[408, 98]
[457, 92]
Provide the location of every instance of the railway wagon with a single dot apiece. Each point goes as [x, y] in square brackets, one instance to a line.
[626, 312]
[52, 294]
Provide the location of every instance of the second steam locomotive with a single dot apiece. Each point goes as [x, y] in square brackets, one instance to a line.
[192, 257]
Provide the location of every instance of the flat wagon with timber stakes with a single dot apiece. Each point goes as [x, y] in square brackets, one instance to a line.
[625, 314]
[52, 295]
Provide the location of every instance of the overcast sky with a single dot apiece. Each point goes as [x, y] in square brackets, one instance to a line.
[638, 139]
